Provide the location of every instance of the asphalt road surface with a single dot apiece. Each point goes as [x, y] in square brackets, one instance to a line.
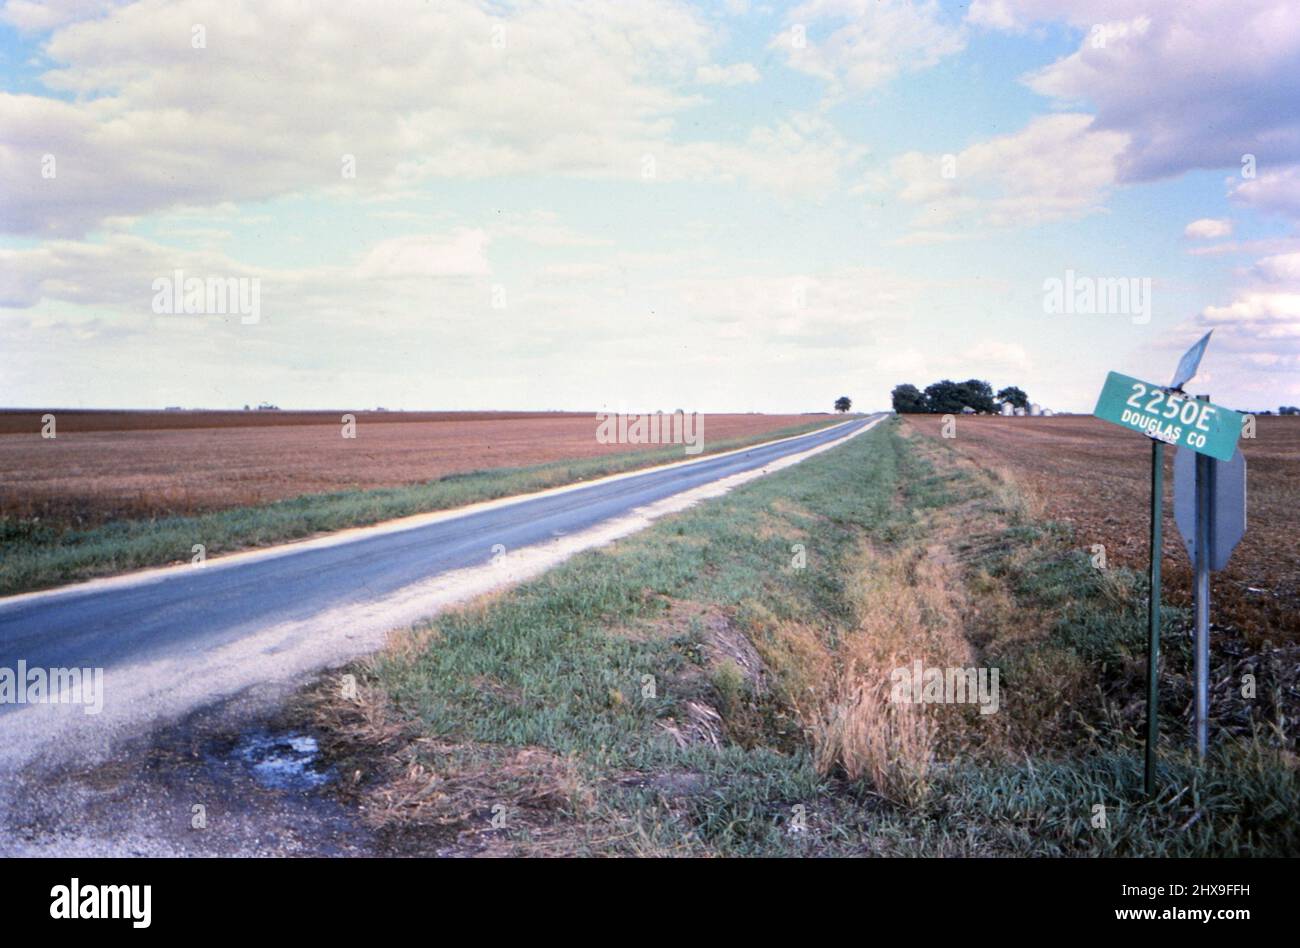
[194, 610]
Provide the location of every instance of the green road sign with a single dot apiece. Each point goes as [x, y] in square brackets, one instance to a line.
[1172, 417]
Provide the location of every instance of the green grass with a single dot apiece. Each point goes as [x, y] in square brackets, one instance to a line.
[36, 556]
[546, 645]
[1240, 804]
[559, 664]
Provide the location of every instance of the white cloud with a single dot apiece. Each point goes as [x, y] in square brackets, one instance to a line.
[544, 229]
[421, 255]
[859, 45]
[1193, 84]
[1270, 245]
[1275, 191]
[567, 273]
[993, 354]
[1259, 317]
[837, 309]
[1279, 268]
[1208, 228]
[118, 272]
[802, 154]
[1056, 167]
[33, 16]
[1258, 331]
[995, 14]
[738, 74]
[1018, 15]
[413, 91]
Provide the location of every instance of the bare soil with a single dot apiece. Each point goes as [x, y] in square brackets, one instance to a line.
[105, 466]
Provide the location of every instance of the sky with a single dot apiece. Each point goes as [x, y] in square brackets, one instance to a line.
[641, 205]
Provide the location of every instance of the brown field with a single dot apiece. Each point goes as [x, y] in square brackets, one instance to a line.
[117, 465]
[1097, 478]
[25, 421]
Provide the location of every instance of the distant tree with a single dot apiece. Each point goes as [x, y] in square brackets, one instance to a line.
[945, 397]
[978, 395]
[843, 403]
[948, 397]
[1016, 396]
[909, 400]
[1288, 410]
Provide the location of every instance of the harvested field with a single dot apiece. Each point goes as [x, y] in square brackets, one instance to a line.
[106, 466]
[1096, 478]
[81, 420]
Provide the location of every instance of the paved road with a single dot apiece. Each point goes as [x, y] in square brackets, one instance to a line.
[199, 609]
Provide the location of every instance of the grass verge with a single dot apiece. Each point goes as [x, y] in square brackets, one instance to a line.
[35, 556]
[721, 684]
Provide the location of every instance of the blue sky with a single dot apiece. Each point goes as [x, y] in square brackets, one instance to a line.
[722, 207]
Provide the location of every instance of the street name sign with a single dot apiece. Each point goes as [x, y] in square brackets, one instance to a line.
[1171, 417]
[1209, 506]
[1227, 513]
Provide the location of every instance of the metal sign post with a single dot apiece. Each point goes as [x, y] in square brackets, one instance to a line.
[1204, 476]
[1210, 509]
[1153, 614]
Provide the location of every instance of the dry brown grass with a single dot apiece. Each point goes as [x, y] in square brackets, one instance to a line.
[802, 663]
[870, 737]
[449, 784]
[909, 607]
[922, 600]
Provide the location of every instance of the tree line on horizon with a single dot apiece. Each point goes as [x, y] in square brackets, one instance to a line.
[949, 397]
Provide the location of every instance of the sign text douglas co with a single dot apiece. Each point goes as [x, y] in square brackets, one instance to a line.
[1172, 417]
